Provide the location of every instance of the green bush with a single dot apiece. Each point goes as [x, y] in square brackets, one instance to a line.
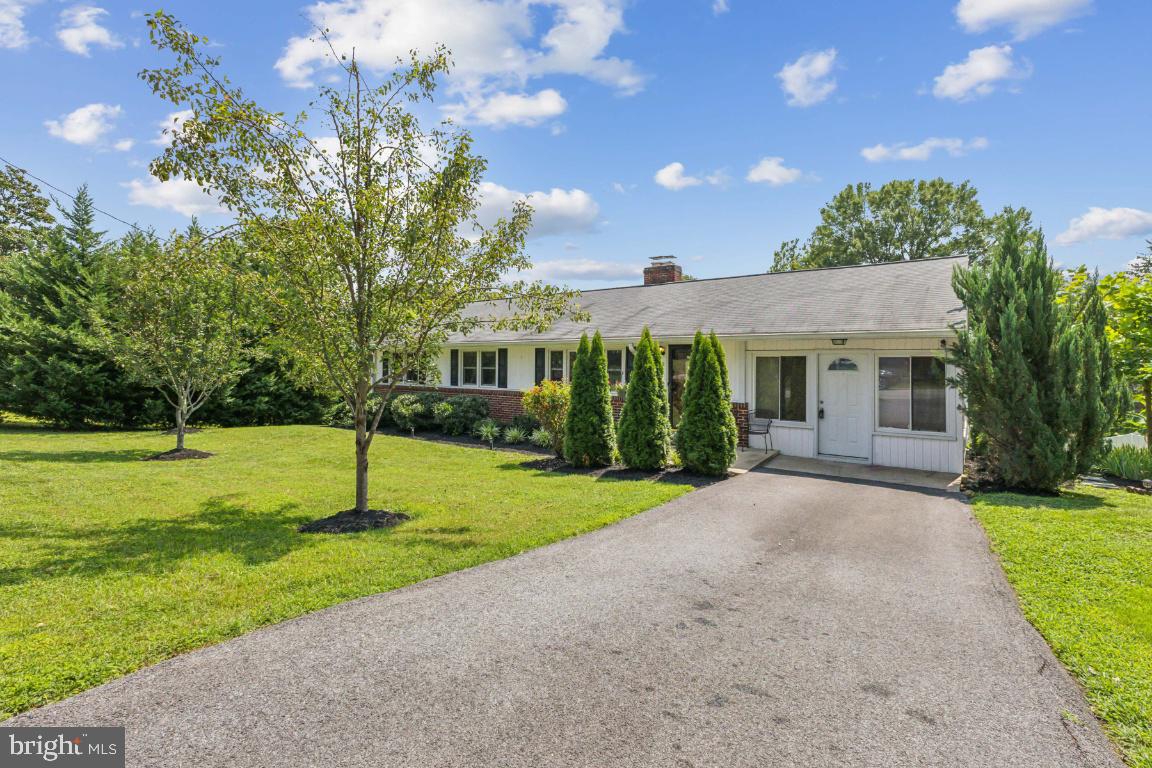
[488, 431]
[514, 435]
[458, 415]
[340, 415]
[589, 430]
[548, 403]
[526, 422]
[703, 438]
[408, 411]
[1128, 462]
[645, 433]
[541, 438]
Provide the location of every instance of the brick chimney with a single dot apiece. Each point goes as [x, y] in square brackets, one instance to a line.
[663, 269]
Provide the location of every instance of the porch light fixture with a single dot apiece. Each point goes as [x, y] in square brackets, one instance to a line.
[839, 342]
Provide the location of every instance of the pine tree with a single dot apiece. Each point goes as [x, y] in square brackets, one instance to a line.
[1034, 372]
[703, 439]
[730, 427]
[645, 432]
[52, 365]
[589, 431]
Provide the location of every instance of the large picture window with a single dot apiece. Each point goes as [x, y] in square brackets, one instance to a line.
[912, 394]
[782, 388]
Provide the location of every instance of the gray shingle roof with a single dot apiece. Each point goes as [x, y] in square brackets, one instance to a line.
[884, 298]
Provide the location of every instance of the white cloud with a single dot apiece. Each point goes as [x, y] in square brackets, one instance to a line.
[978, 74]
[180, 195]
[672, 177]
[1025, 17]
[584, 269]
[719, 7]
[808, 80]
[923, 150]
[554, 212]
[1106, 224]
[124, 145]
[80, 28]
[12, 32]
[86, 125]
[771, 170]
[497, 46]
[170, 125]
[504, 108]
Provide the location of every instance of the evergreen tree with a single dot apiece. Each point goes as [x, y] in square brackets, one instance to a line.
[1034, 371]
[589, 431]
[730, 427]
[25, 219]
[703, 438]
[52, 364]
[645, 432]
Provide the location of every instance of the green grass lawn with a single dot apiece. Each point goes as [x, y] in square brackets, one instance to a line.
[1082, 566]
[108, 563]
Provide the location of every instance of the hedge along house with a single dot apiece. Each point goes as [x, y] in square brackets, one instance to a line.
[843, 363]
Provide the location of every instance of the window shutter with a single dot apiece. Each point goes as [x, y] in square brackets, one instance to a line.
[541, 364]
[454, 376]
[628, 359]
[502, 368]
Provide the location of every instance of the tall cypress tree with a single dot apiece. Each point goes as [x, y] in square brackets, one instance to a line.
[589, 431]
[703, 439]
[52, 363]
[730, 427]
[1034, 372]
[645, 434]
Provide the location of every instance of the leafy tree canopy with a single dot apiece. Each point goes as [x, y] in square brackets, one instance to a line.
[899, 221]
[367, 221]
[25, 215]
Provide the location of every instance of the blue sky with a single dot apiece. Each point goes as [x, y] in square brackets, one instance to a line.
[707, 129]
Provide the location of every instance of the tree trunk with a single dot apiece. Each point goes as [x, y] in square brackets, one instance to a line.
[181, 421]
[361, 456]
[1148, 412]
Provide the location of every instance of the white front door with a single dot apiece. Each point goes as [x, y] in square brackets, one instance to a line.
[844, 426]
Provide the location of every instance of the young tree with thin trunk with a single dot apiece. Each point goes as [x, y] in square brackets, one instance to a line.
[181, 317]
[1128, 297]
[367, 222]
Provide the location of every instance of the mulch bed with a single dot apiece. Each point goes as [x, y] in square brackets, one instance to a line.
[616, 472]
[1132, 486]
[978, 477]
[178, 455]
[351, 521]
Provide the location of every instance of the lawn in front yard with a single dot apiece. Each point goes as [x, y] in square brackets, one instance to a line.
[109, 563]
[1081, 564]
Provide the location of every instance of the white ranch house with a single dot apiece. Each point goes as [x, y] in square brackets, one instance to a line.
[843, 363]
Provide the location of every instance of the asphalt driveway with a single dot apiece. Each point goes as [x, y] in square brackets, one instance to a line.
[767, 620]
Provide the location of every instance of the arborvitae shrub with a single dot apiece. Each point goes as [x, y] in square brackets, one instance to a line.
[645, 434]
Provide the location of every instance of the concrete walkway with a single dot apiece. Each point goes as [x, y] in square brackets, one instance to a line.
[768, 620]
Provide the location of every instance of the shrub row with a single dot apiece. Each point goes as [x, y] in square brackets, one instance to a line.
[431, 411]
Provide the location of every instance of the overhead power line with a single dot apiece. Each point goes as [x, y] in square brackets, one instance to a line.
[69, 195]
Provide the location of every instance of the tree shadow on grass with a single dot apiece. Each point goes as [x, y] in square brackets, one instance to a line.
[555, 468]
[76, 457]
[154, 546]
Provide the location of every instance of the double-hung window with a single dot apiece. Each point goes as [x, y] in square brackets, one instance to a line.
[469, 370]
[782, 388]
[615, 369]
[556, 370]
[912, 394]
[488, 367]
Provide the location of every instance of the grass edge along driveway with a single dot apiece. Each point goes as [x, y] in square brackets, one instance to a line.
[1081, 564]
[109, 564]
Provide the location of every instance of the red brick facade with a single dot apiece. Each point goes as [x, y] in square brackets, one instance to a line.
[507, 404]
